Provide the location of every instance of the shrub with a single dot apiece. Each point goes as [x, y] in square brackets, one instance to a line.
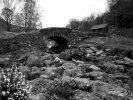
[12, 84]
[78, 54]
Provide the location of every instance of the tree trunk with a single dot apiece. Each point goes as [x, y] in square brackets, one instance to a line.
[8, 25]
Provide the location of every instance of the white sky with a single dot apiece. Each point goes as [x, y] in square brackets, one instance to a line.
[57, 13]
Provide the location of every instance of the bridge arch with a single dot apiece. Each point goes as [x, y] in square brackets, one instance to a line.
[62, 36]
[62, 43]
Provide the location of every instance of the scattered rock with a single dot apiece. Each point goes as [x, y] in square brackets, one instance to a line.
[96, 75]
[99, 52]
[82, 95]
[33, 60]
[94, 68]
[48, 63]
[39, 96]
[89, 51]
[4, 61]
[90, 71]
[69, 65]
[72, 72]
[108, 66]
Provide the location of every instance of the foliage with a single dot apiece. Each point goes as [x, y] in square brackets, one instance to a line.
[86, 23]
[73, 24]
[12, 85]
[120, 13]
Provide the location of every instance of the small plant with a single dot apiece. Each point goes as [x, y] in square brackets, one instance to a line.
[12, 84]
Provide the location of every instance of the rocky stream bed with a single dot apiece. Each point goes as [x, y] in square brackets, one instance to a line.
[86, 72]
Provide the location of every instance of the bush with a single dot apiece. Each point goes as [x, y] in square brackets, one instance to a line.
[78, 54]
[12, 85]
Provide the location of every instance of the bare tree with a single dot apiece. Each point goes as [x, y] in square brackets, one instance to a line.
[74, 24]
[18, 22]
[29, 18]
[8, 9]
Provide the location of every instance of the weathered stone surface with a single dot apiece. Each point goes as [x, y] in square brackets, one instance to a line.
[90, 71]
[69, 65]
[89, 51]
[126, 61]
[82, 95]
[94, 68]
[85, 67]
[24, 68]
[96, 74]
[48, 63]
[4, 61]
[40, 96]
[99, 52]
[52, 72]
[33, 60]
[72, 72]
[111, 66]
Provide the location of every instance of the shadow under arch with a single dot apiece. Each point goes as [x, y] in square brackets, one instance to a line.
[61, 42]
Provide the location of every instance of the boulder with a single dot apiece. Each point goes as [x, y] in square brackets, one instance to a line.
[83, 95]
[39, 96]
[69, 65]
[89, 51]
[35, 69]
[99, 52]
[52, 72]
[96, 75]
[94, 68]
[109, 66]
[97, 87]
[72, 72]
[4, 61]
[121, 76]
[94, 49]
[48, 63]
[85, 68]
[23, 68]
[33, 60]
[46, 56]
[71, 69]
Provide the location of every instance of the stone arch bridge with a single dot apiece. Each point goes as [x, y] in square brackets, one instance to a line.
[63, 36]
